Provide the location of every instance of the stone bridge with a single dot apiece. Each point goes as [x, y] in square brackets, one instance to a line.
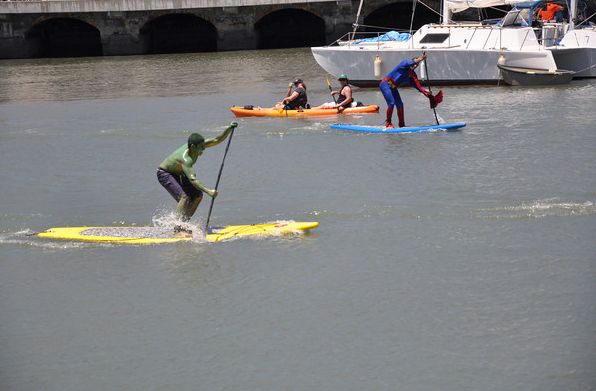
[56, 28]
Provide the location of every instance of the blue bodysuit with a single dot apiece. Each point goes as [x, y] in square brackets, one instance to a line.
[401, 74]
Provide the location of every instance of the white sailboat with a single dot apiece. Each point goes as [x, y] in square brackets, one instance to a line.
[459, 53]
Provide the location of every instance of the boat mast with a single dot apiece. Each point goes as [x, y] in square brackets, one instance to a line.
[357, 17]
[446, 12]
[412, 18]
[572, 14]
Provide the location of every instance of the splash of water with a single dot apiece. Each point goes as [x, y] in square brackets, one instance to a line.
[541, 208]
[169, 221]
[28, 237]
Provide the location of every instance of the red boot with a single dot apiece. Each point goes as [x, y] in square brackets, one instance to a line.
[400, 116]
[388, 123]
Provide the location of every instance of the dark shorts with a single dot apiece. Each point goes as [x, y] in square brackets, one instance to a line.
[177, 185]
[292, 106]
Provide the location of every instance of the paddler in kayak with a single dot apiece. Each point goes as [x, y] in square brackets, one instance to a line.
[295, 97]
[401, 74]
[344, 95]
[178, 177]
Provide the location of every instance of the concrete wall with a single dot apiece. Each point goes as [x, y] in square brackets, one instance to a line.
[120, 22]
[65, 6]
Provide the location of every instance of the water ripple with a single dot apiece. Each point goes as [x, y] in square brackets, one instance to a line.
[538, 209]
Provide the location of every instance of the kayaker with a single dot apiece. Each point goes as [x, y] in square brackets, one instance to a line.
[178, 177]
[401, 74]
[344, 95]
[296, 96]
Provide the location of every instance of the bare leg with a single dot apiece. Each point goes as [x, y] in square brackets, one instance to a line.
[187, 206]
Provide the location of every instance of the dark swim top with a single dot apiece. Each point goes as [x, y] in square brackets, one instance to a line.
[341, 97]
[300, 101]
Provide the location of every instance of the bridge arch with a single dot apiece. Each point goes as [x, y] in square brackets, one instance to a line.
[63, 37]
[289, 28]
[397, 16]
[178, 33]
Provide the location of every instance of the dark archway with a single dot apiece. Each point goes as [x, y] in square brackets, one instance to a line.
[178, 33]
[397, 16]
[63, 37]
[290, 28]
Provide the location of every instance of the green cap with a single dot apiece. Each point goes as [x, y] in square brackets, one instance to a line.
[343, 76]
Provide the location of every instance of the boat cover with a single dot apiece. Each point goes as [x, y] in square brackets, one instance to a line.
[390, 36]
[462, 5]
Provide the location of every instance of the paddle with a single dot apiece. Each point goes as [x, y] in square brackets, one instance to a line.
[218, 178]
[285, 107]
[436, 100]
[282, 106]
[330, 89]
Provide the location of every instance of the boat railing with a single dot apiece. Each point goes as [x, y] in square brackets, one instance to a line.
[550, 33]
[485, 33]
[488, 41]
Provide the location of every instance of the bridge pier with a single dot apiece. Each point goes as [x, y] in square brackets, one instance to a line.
[120, 34]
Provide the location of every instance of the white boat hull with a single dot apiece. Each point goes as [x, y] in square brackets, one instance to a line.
[447, 66]
[457, 54]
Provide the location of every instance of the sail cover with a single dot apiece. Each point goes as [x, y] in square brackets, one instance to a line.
[462, 5]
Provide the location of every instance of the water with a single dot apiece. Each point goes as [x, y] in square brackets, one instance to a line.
[443, 261]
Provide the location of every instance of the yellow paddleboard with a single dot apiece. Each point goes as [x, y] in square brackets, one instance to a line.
[157, 235]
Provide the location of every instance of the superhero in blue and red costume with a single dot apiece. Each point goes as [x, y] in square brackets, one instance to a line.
[403, 73]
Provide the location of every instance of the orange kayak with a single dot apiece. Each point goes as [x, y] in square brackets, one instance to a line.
[249, 111]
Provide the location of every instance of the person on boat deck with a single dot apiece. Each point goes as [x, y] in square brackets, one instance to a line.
[344, 96]
[177, 176]
[296, 96]
[550, 11]
[402, 73]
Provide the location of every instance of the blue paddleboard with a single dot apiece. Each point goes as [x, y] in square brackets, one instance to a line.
[382, 129]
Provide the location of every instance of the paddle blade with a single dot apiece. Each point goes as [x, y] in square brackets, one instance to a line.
[436, 99]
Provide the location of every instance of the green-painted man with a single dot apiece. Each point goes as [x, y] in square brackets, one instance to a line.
[178, 177]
